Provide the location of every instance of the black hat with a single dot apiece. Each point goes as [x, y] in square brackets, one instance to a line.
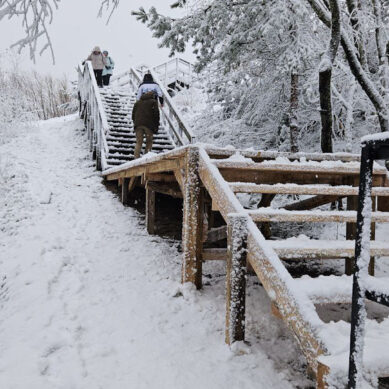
[148, 77]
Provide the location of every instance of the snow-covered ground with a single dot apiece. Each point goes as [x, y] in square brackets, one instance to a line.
[89, 300]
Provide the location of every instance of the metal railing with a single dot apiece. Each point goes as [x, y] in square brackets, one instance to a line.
[373, 148]
[92, 110]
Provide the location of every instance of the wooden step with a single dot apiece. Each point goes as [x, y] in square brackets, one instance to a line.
[341, 190]
[297, 167]
[337, 289]
[296, 248]
[279, 215]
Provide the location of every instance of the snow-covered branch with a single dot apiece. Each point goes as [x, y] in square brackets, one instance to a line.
[36, 15]
[108, 5]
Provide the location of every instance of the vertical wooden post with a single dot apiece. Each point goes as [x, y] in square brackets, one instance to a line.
[372, 237]
[236, 278]
[193, 217]
[352, 205]
[150, 211]
[125, 192]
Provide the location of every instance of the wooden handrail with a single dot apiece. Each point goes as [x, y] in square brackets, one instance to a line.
[89, 92]
[186, 135]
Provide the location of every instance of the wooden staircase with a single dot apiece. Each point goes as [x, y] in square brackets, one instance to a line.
[107, 115]
[209, 180]
[118, 103]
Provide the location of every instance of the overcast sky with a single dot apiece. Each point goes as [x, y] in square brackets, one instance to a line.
[76, 30]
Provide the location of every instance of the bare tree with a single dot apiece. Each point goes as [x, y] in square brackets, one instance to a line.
[36, 16]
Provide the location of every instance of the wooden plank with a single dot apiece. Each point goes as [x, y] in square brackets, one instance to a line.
[311, 249]
[163, 166]
[274, 215]
[160, 177]
[236, 279]
[192, 222]
[285, 177]
[260, 155]
[171, 189]
[138, 167]
[278, 288]
[217, 234]
[180, 179]
[239, 187]
[312, 202]
[342, 169]
[383, 203]
[276, 280]
[125, 191]
[218, 254]
[352, 204]
[150, 211]
[323, 373]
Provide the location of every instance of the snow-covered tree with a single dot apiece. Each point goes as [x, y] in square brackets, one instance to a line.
[263, 60]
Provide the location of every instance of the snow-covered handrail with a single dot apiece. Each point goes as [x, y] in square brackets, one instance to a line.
[175, 71]
[170, 112]
[97, 120]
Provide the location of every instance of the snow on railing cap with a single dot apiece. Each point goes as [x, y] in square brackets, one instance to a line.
[377, 136]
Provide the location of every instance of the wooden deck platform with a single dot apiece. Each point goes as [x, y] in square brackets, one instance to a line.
[208, 179]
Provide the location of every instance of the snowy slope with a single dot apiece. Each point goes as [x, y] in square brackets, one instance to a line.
[89, 300]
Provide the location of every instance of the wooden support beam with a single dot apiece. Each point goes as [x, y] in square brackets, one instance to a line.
[236, 278]
[160, 177]
[169, 190]
[329, 190]
[297, 177]
[217, 234]
[180, 179]
[125, 191]
[312, 202]
[352, 204]
[282, 215]
[150, 211]
[193, 219]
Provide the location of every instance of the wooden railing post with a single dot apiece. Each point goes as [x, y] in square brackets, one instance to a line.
[193, 218]
[125, 191]
[150, 211]
[236, 278]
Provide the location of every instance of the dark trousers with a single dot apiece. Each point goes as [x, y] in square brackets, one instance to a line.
[99, 76]
[106, 79]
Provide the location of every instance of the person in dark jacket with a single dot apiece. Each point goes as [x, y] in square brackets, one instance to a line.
[149, 85]
[145, 116]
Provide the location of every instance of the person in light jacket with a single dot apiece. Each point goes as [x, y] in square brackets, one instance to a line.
[108, 69]
[98, 64]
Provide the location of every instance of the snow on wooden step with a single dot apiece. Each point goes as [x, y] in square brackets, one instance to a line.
[326, 289]
[297, 248]
[340, 190]
[282, 215]
[278, 165]
[337, 289]
[313, 248]
[336, 337]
